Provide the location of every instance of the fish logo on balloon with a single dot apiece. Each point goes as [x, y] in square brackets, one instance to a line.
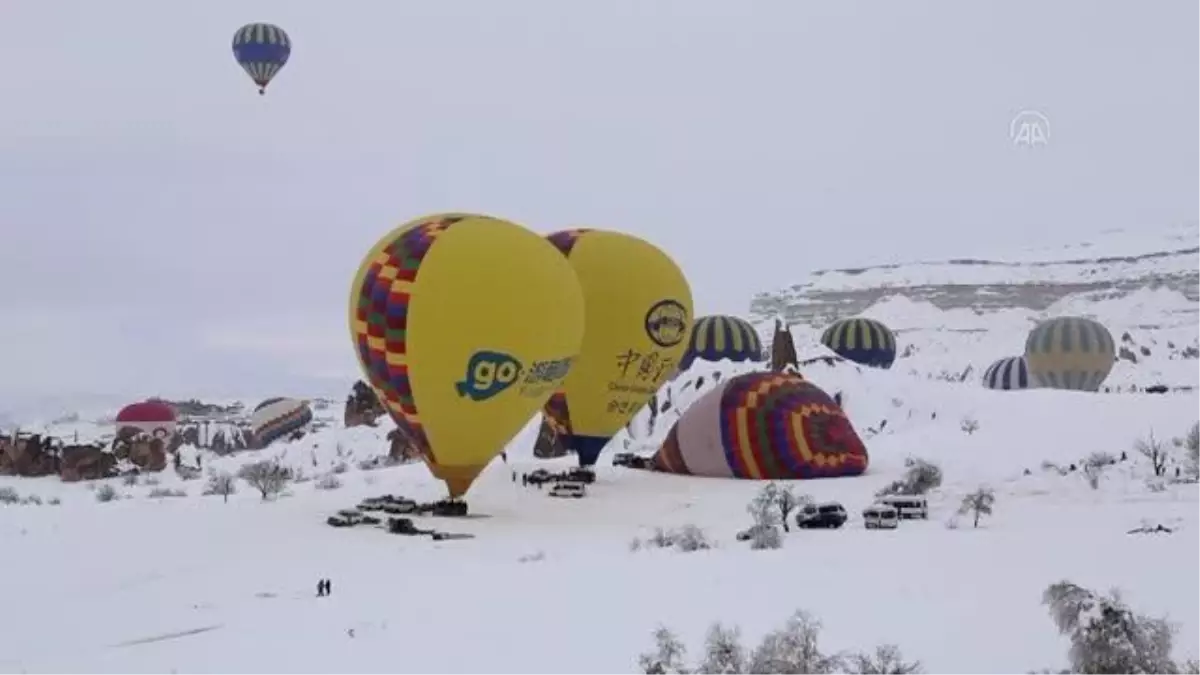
[667, 323]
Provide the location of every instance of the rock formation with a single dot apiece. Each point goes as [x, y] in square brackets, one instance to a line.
[362, 407]
[86, 462]
[28, 456]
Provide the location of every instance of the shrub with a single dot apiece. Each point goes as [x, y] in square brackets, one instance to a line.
[106, 493]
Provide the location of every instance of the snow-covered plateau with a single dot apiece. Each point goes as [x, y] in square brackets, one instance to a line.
[148, 582]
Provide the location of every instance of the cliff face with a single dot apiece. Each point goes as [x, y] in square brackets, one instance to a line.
[953, 317]
[984, 285]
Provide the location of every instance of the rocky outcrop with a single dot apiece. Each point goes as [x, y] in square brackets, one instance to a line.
[783, 348]
[362, 407]
[402, 447]
[86, 462]
[28, 456]
[147, 454]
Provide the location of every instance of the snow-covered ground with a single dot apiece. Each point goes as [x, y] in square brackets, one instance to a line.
[194, 584]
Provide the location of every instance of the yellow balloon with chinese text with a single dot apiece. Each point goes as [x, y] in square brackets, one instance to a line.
[637, 317]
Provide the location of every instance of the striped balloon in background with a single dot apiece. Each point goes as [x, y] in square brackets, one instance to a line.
[864, 341]
[1070, 352]
[262, 50]
[1008, 373]
[275, 418]
[718, 338]
[763, 426]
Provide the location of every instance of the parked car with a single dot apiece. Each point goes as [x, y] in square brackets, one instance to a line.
[568, 488]
[908, 506]
[623, 458]
[881, 517]
[752, 531]
[826, 515]
[538, 476]
[580, 475]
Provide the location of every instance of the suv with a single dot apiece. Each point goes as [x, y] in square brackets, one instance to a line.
[568, 488]
[881, 517]
[907, 506]
[827, 515]
[623, 458]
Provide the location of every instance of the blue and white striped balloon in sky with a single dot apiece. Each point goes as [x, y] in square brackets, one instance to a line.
[262, 50]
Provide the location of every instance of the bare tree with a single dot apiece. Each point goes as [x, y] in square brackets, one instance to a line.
[267, 476]
[221, 483]
[668, 655]
[786, 500]
[969, 425]
[1153, 450]
[885, 660]
[978, 503]
[723, 651]
[1191, 444]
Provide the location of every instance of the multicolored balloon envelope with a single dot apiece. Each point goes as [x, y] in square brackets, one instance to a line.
[638, 307]
[763, 426]
[464, 324]
[866, 342]
[1070, 352]
[720, 338]
[275, 418]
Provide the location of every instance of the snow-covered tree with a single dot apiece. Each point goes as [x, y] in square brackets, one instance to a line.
[1106, 635]
[885, 660]
[668, 656]
[723, 651]
[220, 483]
[794, 648]
[267, 476]
[920, 477]
[1191, 444]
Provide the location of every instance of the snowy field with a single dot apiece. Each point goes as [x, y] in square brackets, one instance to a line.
[192, 584]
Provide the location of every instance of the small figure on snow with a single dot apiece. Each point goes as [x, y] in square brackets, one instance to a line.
[320, 588]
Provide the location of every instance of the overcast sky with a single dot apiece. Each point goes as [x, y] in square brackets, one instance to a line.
[167, 230]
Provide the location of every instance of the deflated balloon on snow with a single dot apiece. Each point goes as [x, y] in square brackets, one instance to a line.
[722, 338]
[262, 50]
[276, 418]
[763, 426]
[464, 324]
[1070, 352]
[638, 308]
[864, 341]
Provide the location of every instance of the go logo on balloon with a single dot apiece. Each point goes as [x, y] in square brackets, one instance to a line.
[491, 372]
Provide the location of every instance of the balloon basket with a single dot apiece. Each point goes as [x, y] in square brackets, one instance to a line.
[449, 508]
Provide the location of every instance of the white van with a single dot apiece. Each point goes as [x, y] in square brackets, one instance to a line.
[881, 517]
[907, 506]
[568, 488]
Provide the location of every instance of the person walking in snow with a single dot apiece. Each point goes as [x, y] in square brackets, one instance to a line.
[328, 587]
[320, 588]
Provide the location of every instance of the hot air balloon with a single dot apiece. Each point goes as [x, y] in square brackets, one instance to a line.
[864, 341]
[763, 426]
[262, 50]
[1070, 352]
[1009, 372]
[639, 313]
[719, 338]
[152, 417]
[464, 324]
[275, 418]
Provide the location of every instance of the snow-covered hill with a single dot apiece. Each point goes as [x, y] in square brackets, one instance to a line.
[195, 584]
[164, 578]
[953, 315]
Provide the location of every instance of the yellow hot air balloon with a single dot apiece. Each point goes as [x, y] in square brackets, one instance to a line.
[638, 306]
[464, 324]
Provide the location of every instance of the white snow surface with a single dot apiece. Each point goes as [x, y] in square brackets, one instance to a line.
[193, 584]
